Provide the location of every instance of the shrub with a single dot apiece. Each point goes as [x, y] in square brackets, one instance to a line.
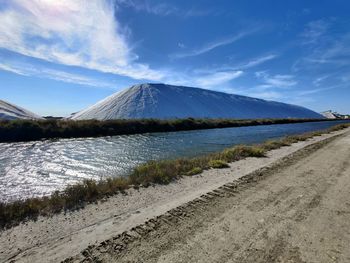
[194, 171]
[271, 145]
[241, 151]
[218, 164]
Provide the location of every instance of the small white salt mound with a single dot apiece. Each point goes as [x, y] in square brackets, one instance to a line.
[10, 111]
[162, 101]
[329, 114]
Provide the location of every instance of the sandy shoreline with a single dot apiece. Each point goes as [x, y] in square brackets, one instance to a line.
[64, 235]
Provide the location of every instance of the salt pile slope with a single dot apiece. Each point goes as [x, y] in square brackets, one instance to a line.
[329, 114]
[10, 111]
[166, 101]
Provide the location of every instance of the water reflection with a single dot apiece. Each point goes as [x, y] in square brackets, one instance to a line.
[38, 168]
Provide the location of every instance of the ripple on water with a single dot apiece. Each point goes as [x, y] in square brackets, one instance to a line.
[29, 169]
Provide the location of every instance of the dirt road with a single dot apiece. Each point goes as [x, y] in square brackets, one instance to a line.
[297, 211]
[293, 204]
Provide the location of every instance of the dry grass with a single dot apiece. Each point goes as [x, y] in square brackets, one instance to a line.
[194, 171]
[153, 172]
[218, 164]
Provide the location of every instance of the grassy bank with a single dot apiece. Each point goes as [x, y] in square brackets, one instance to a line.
[153, 172]
[30, 130]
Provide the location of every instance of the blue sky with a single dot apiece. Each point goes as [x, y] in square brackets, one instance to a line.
[58, 57]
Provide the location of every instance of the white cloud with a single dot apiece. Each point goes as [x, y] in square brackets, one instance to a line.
[205, 80]
[328, 47]
[312, 91]
[44, 72]
[275, 81]
[217, 78]
[314, 30]
[345, 77]
[335, 53]
[74, 78]
[267, 95]
[87, 34]
[160, 9]
[209, 80]
[212, 45]
[319, 80]
[78, 33]
[258, 92]
[12, 69]
[273, 87]
[257, 61]
[253, 62]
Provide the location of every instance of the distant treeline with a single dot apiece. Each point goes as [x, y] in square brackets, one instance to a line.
[30, 130]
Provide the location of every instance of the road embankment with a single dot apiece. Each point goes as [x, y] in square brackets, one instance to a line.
[257, 209]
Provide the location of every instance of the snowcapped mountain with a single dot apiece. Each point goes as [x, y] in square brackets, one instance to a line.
[10, 111]
[166, 101]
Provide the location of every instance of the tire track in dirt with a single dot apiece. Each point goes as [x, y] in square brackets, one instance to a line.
[118, 245]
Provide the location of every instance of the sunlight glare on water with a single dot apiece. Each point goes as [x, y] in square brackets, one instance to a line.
[29, 169]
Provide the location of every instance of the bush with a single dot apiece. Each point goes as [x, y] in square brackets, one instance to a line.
[218, 164]
[241, 151]
[194, 171]
[271, 145]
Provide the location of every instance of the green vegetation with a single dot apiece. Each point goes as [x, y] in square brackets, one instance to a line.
[194, 171]
[218, 164]
[29, 130]
[153, 172]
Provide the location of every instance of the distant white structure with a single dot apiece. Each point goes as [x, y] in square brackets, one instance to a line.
[329, 114]
[10, 111]
[162, 101]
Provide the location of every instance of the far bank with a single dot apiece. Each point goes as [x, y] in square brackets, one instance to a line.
[31, 130]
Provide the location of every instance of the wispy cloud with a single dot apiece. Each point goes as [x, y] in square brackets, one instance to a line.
[326, 49]
[160, 9]
[314, 30]
[220, 78]
[336, 53]
[217, 78]
[267, 95]
[212, 45]
[210, 80]
[345, 77]
[44, 72]
[258, 92]
[250, 63]
[275, 81]
[78, 33]
[313, 91]
[87, 34]
[319, 80]
[257, 61]
[9, 68]
[271, 87]
[207, 79]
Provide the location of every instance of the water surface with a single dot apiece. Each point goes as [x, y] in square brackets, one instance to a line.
[38, 168]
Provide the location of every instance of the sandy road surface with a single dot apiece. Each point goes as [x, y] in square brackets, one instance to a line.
[206, 227]
[296, 212]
